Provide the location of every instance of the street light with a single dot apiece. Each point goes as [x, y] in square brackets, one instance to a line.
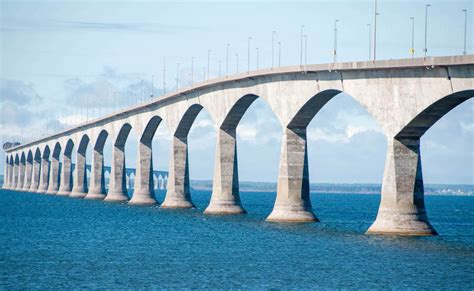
[151, 89]
[465, 31]
[257, 56]
[426, 28]
[208, 62]
[273, 44]
[227, 60]
[177, 76]
[220, 62]
[335, 39]
[370, 41]
[301, 46]
[192, 71]
[375, 31]
[164, 76]
[305, 50]
[279, 53]
[412, 49]
[237, 59]
[248, 55]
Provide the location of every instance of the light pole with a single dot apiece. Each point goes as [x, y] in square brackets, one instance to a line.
[412, 49]
[257, 56]
[141, 91]
[370, 41]
[220, 68]
[208, 62]
[227, 60]
[279, 53]
[301, 46]
[305, 50]
[273, 44]
[335, 40]
[426, 28]
[248, 55]
[465, 31]
[192, 71]
[151, 89]
[375, 31]
[237, 62]
[177, 76]
[164, 76]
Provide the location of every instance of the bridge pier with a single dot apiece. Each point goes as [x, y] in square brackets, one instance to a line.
[97, 182]
[53, 185]
[14, 177]
[35, 175]
[143, 192]
[117, 187]
[65, 179]
[6, 182]
[21, 176]
[28, 172]
[178, 194]
[79, 189]
[293, 203]
[44, 175]
[225, 197]
[402, 207]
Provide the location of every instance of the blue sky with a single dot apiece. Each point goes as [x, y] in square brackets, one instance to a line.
[58, 58]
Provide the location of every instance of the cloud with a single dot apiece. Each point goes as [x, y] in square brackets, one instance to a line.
[467, 127]
[18, 92]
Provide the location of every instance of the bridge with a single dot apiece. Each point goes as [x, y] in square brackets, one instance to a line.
[405, 97]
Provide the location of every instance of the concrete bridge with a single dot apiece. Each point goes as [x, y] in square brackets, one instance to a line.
[405, 97]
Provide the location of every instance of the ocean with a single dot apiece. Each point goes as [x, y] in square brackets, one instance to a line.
[50, 242]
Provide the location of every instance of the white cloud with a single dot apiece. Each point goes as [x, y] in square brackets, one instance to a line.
[247, 132]
[467, 127]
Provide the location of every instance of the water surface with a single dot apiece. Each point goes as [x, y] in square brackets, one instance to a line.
[59, 242]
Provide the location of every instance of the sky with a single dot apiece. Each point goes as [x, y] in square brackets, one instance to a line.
[62, 62]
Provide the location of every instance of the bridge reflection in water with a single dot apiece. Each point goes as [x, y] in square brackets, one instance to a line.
[405, 97]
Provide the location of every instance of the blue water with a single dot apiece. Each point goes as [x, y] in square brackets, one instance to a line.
[58, 242]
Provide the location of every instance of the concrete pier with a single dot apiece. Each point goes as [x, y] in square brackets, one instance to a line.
[402, 207]
[44, 175]
[143, 192]
[21, 174]
[293, 203]
[225, 197]
[6, 183]
[28, 172]
[178, 194]
[79, 189]
[65, 185]
[97, 180]
[53, 185]
[35, 172]
[117, 187]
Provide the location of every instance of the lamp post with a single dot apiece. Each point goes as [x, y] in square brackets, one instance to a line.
[370, 41]
[237, 62]
[256, 49]
[305, 50]
[220, 68]
[248, 55]
[375, 31]
[192, 71]
[177, 76]
[273, 44]
[164, 76]
[151, 89]
[335, 40]
[412, 49]
[227, 60]
[465, 31]
[426, 29]
[301, 46]
[208, 62]
[279, 53]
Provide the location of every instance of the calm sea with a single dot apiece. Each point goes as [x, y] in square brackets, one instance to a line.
[50, 242]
